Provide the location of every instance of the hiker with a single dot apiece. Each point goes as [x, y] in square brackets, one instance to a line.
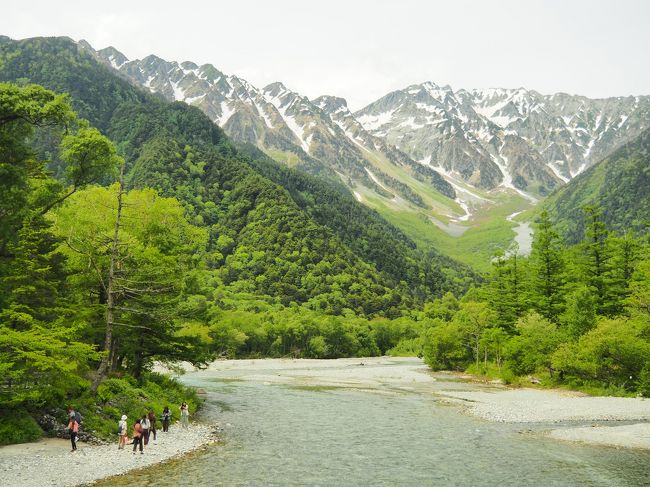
[122, 432]
[73, 426]
[166, 416]
[72, 413]
[137, 437]
[152, 422]
[185, 415]
[146, 426]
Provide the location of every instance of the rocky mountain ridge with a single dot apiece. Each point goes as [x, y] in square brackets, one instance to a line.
[501, 137]
[281, 121]
[512, 139]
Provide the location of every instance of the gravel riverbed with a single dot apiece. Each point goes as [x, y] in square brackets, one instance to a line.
[541, 406]
[50, 462]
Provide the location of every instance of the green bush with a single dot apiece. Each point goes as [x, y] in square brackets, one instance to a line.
[118, 396]
[407, 347]
[18, 426]
[644, 381]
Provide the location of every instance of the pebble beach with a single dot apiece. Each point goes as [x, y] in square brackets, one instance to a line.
[49, 462]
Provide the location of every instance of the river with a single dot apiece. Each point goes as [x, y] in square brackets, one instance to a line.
[359, 422]
[523, 235]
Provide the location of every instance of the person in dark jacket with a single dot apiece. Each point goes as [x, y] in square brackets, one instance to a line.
[152, 424]
[166, 417]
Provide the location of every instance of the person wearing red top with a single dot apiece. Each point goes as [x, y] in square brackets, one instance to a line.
[137, 437]
[73, 426]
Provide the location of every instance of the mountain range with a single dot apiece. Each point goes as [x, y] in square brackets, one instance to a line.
[273, 230]
[410, 143]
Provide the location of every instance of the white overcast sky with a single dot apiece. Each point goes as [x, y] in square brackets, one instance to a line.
[363, 49]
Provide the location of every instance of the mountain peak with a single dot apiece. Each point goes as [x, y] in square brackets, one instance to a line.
[275, 89]
[86, 45]
[189, 65]
[153, 59]
[113, 56]
[330, 104]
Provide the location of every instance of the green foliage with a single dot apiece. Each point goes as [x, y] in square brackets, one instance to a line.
[89, 155]
[530, 350]
[17, 426]
[40, 364]
[118, 396]
[444, 347]
[615, 352]
[581, 312]
[547, 269]
[157, 249]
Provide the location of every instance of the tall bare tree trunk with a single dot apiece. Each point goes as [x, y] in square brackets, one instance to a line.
[110, 292]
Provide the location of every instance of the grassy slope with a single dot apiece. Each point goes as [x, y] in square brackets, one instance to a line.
[488, 232]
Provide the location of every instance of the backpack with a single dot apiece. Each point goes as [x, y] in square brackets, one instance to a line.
[77, 417]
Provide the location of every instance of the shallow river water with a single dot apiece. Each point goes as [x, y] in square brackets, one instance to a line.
[283, 427]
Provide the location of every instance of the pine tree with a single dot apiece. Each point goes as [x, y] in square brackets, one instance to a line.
[547, 269]
[504, 293]
[597, 264]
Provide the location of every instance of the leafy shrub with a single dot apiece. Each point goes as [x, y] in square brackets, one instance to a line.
[118, 396]
[17, 426]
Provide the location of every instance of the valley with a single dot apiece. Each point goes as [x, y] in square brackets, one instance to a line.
[445, 166]
[158, 216]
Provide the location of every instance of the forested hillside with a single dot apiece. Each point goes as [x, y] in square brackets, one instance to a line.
[154, 238]
[619, 185]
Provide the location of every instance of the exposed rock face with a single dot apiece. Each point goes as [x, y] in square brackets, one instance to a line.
[493, 138]
[276, 118]
[505, 137]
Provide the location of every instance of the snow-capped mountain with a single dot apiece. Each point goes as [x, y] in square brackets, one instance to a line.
[279, 120]
[514, 139]
[499, 137]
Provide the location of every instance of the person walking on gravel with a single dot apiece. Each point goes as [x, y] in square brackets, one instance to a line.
[166, 416]
[152, 424]
[122, 432]
[137, 437]
[73, 426]
[185, 415]
[146, 429]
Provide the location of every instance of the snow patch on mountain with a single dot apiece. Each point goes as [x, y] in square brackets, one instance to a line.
[192, 99]
[226, 113]
[582, 167]
[372, 122]
[114, 63]
[557, 172]
[179, 93]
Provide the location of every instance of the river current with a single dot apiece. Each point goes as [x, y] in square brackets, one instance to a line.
[305, 426]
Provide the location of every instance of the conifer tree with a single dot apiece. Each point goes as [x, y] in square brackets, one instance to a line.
[547, 269]
[597, 269]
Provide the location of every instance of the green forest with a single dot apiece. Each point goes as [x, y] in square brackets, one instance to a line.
[134, 232]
